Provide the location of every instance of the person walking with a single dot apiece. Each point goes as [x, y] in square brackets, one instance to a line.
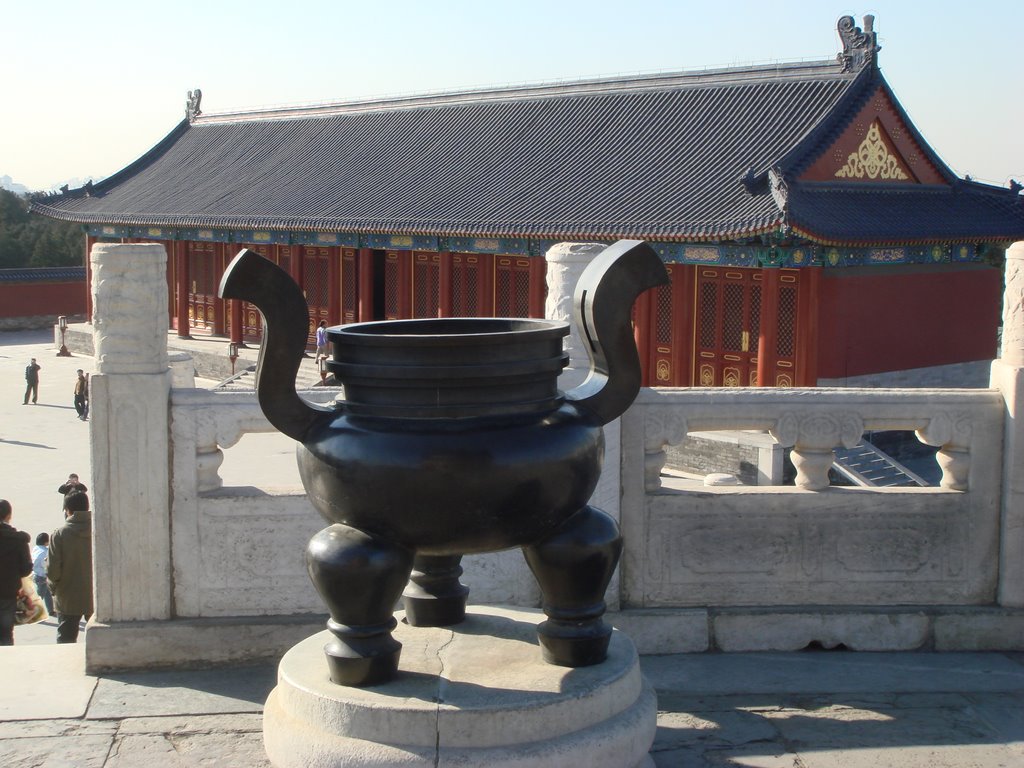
[32, 381]
[69, 566]
[321, 340]
[15, 564]
[82, 395]
[39, 553]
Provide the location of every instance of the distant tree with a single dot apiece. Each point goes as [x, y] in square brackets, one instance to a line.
[35, 241]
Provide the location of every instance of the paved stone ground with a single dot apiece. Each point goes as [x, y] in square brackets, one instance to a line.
[800, 710]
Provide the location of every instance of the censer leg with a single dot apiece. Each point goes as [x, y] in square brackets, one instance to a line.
[360, 577]
[434, 596]
[573, 566]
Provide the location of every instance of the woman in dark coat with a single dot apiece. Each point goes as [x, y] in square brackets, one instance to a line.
[15, 563]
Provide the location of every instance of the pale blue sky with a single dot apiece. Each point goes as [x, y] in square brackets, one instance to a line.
[88, 87]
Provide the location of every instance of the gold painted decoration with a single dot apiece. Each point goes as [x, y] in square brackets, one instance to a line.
[731, 377]
[783, 380]
[663, 370]
[872, 160]
[707, 376]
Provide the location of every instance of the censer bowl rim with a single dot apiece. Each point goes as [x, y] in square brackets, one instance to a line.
[448, 329]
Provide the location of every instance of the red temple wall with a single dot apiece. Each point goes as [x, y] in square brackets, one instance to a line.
[27, 299]
[875, 319]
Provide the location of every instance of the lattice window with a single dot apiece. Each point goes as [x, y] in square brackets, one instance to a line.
[426, 289]
[349, 281]
[786, 342]
[732, 317]
[502, 293]
[663, 322]
[315, 281]
[521, 305]
[708, 314]
[391, 278]
[465, 301]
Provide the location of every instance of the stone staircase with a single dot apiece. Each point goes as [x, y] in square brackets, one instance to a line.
[865, 465]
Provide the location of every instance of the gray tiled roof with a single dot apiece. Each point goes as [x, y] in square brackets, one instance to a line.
[657, 157]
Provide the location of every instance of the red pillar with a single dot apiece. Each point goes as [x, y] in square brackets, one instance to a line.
[538, 286]
[767, 342]
[181, 255]
[236, 321]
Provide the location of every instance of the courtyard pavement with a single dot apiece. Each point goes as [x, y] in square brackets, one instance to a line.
[815, 709]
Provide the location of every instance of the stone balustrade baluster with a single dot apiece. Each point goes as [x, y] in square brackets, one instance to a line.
[952, 435]
[812, 437]
[662, 426]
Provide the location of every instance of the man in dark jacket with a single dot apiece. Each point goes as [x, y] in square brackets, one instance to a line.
[32, 381]
[15, 562]
[69, 566]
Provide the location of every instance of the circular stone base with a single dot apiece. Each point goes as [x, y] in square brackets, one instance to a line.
[474, 695]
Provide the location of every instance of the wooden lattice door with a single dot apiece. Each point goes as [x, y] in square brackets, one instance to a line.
[202, 297]
[316, 284]
[426, 285]
[470, 283]
[727, 327]
[511, 287]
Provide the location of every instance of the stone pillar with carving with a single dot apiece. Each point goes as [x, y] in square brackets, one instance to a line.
[565, 265]
[1008, 378]
[129, 435]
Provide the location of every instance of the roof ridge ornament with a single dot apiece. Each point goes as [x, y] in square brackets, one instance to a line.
[192, 110]
[860, 47]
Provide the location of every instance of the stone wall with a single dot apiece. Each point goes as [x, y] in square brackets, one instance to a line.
[754, 458]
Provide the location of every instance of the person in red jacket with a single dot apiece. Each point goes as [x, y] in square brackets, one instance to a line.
[15, 563]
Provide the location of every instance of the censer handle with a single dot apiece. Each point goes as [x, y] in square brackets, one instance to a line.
[602, 310]
[252, 278]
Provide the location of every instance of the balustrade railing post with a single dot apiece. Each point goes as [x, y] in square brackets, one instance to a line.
[1008, 378]
[129, 433]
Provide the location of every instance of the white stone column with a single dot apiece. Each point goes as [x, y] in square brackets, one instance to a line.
[566, 262]
[129, 435]
[1008, 378]
[565, 265]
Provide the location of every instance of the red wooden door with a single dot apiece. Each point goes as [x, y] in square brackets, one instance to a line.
[252, 320]
[397, 301]
[471, 285]
[727, 326]
[426, 284]
[784, 373]
[202, 296]
[670, 334]
[511, 287]
[316, 286]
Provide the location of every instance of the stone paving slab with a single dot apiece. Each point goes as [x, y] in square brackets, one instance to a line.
[182, 692]
[795, 673]
[27, 683]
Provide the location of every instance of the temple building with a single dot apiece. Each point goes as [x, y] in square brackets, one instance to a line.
[810, 231]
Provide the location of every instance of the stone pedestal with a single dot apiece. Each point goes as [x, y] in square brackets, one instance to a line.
[477, 694]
